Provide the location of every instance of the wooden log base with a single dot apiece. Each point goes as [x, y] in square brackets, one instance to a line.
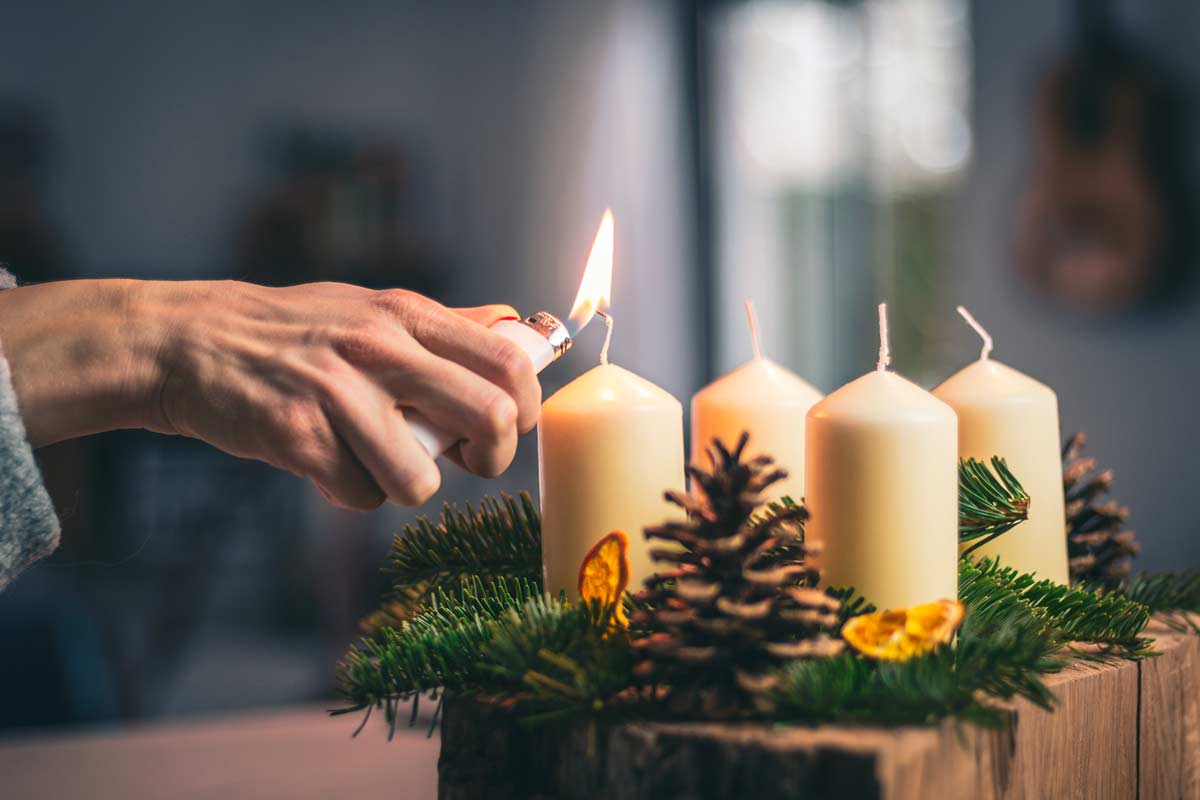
[1120, 730]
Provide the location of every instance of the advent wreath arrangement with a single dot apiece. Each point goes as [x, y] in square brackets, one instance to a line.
[735, 626]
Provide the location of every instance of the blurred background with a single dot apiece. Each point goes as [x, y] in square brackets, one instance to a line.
[1030, 159]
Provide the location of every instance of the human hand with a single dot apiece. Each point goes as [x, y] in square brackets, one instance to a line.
[312, 379]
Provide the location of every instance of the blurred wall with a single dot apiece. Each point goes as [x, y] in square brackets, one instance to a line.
[1130, 383]
[518, 123]
[527, 118]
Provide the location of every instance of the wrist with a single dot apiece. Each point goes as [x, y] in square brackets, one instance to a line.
[83, 357]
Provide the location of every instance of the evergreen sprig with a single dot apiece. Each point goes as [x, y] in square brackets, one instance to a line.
[1003, 651]
[1110, 622]
[853, 604]
[502, 539]
[989, 505]
[565, 657]
[791, 512]
[1172, 597]
[560, 658]
[492, 637]
[437, 649]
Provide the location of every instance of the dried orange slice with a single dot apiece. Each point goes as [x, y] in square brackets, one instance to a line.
[900, 634]
[604, 573]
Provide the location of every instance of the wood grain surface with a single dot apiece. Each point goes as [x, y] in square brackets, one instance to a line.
[1120, 730]
[1169, 733]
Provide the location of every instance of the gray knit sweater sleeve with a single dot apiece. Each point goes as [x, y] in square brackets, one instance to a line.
[28, 526]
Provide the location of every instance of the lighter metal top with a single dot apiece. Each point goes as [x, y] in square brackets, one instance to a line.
[552, 329]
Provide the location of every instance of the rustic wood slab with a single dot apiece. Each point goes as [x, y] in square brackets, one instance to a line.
[1169, 733]
[1085, 748]
[1120, 730]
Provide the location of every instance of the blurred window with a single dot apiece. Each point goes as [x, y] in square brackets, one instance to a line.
[840, 137]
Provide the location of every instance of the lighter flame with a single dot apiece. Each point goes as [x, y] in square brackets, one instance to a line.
[596, 285]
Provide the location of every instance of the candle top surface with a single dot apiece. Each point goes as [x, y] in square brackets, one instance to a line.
[758, 382]
[989, 382]
[882, 397]
[609, 387]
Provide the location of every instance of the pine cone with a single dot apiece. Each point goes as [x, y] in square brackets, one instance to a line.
[734, 598]
[1098, 546]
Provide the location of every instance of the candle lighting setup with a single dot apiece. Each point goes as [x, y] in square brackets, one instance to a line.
[609, 443]
[729, 617]
[543, 336]
[740, 548]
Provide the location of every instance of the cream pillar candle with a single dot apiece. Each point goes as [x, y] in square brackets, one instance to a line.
[882, 488]
[765, 399]
[1003, 412]
[609, 444]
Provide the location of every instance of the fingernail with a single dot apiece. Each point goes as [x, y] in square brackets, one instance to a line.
[503, 319]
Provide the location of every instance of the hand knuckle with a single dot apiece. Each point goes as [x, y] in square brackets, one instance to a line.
[499, 414]
[359, 345]
[305, 447]
[396, 302]
[514, 364]
[293, 419]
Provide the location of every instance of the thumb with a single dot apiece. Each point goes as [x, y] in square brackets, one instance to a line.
[487, 316]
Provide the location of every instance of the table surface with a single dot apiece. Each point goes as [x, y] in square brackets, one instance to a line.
[295, 753]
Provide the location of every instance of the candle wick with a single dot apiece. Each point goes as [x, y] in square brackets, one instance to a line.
[607, 336]
[752, 318]
[983, 334]
[885, 353]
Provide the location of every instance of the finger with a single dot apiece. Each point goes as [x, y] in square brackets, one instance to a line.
[306, 444]
[484, 352]
[475, 411]
[487, 316]
[345, 483]
[366, 418]
[451, 397]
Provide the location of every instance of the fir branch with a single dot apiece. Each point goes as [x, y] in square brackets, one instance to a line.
[851, 688]
[784, 506]
[853, 604]
[1000, 621]
[1111, 622]
[557, 656]
[794, 516]
[502, 538]
[1003, 650]
[437, 648]
[989, 505]
[566, 656]
[1172, 597]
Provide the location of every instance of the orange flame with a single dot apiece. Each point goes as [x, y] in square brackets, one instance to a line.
[596, 285]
